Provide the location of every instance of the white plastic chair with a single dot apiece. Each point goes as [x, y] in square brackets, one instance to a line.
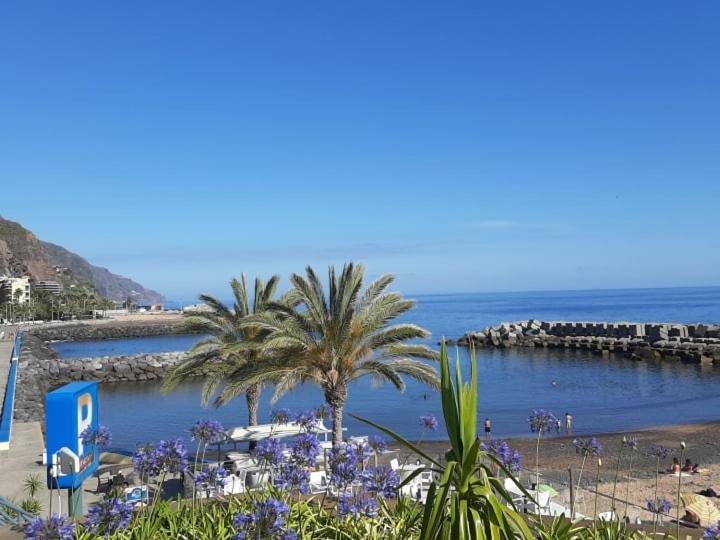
[234, 483]
[318, 482]
[542, 507]
[517, 496]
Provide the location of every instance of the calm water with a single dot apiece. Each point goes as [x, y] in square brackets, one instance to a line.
[603, 395]
[114, 347]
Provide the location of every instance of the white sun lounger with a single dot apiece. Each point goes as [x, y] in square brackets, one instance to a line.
[271, 431]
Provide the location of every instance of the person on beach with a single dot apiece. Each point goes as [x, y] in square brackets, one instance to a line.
[675, 467]
[558, 426]
[688, 467]
[568, 423]
[488, 427]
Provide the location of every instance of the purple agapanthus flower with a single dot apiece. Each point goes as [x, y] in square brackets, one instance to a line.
[100, 437]
[378, 444]
[510, 458]
[343, 463]
[587, 447]
[145, 461]
[428, 422]
[293, 477]
[305, 450]
[55, 527]
[281, 416]
[208, 431]
[307, 421]
[109, 516]
[712, 533]
[659, 506]
[357, 504]
[270, 452]
[659, 451]
[542, 421]
[211, 478]
[631, 443]
[515, 464]
[172, 456]
[362, 451]
[381, 480]
[267, 520]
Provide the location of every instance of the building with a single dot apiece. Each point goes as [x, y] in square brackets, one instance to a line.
[15, 290]
[50, 286]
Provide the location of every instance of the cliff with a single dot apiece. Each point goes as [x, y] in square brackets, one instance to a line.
[107, 284]
[22, 253]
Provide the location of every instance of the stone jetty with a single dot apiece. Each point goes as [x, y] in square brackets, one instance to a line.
[698, 343]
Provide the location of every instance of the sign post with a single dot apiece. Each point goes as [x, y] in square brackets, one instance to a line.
[70, 410]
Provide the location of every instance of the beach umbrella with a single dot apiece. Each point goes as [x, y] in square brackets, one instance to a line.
[706, 510]
[690, 498]
[544, 487]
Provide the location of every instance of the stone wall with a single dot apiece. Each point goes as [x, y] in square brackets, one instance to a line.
[114, 330]
[40, 371]
[687, 342]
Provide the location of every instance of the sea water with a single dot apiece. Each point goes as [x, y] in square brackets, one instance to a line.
[603, 394]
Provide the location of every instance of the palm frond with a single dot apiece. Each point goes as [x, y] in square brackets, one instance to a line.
[396, 334]
[384, 371]
[399, 350]
[416, 369]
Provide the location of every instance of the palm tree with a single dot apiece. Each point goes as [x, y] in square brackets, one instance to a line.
[229, 346]
[335, 338]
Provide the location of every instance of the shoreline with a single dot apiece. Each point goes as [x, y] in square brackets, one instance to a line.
[701, 438]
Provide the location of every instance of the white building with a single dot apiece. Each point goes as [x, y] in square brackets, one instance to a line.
[50, 286]
[15, 290]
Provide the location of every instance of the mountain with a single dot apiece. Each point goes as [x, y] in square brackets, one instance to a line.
[21, 253]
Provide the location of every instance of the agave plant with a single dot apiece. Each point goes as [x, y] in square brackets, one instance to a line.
[468, 501]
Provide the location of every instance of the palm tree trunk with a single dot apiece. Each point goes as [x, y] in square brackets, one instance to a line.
[335, 398]
[252, 396]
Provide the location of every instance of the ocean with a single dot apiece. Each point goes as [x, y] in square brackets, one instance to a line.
[603, 395]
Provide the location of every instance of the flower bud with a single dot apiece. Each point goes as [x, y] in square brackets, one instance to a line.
[682, 445]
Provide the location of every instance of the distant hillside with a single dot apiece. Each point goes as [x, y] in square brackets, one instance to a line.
[21, 252]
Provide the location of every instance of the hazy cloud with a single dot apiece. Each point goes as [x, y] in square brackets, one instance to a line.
[502, 224]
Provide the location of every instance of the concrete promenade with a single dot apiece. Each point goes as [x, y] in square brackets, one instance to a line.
[24, 459]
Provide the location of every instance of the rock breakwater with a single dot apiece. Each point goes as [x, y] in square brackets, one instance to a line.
[40, 371]
[698, 343]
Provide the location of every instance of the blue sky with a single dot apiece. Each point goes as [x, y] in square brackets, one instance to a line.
[464, 146]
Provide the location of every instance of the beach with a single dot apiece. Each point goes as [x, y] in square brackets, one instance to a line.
[557, 454]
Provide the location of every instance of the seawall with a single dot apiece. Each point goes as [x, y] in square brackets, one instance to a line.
[699, 343]
[40, 371]
[102, 330]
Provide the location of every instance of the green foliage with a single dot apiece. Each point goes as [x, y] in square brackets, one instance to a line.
[32, 485]
[31, 505]
[213, 521]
